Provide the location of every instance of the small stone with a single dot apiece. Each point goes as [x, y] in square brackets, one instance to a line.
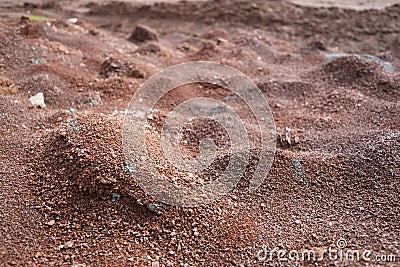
[135, 73]
[221, 41]
[37, 61]
[152, 207]
[115, 197]
[24, 19]
[94, 102]
[69, 244]
[143, 33]
[297, 221]
[38, 100]
[72, 20]
[171, 252]
[51, 222]
[112, 66]
[130, 259]
[155, 264]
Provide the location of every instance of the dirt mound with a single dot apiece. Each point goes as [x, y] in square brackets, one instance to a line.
[207, 51]
[15, 51]
[360, 73]
[33, 31]
[116, 87]
[85, 153]
[351, 70]
[372, 166]
[380, 150]
[142, 33]
[149, 48]
[61, 86]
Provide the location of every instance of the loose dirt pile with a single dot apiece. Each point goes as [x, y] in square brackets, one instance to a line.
[67, 196]
[85, 153]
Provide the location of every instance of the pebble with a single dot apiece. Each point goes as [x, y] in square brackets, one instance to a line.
[221, 41]
[115, 197]
[38, 100]
[152, 207]
[36, 61]
[69, 244]
[72, 20]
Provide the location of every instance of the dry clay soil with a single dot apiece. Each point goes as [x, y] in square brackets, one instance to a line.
[66, 194]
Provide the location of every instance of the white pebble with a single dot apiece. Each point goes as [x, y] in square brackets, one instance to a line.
[38, 100]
